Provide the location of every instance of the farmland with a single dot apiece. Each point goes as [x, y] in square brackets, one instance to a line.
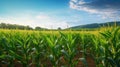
[25, 48]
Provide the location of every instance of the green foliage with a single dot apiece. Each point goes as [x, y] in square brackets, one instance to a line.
[14, 26]
[93, 26]
[65, 49]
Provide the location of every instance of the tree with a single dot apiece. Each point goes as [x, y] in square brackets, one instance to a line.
[38, 28]
[59, 28]
[14, 26]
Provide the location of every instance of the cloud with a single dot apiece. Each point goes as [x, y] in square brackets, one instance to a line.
[104, 8]
[42, 17]
[35, 19]
[49, 21]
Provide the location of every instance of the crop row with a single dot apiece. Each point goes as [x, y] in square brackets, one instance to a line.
[24, 49]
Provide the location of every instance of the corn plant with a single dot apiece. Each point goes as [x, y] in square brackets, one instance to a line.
[59, 49]
[38, 50]
[111, 47]
[54, 49]
[69, 51]
[97, 50]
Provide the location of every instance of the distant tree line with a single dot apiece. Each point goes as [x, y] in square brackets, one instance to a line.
[16, 26]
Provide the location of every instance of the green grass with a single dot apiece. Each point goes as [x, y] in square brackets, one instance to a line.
[60, 48]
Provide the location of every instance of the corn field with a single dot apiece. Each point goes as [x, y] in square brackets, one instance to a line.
[60, 49]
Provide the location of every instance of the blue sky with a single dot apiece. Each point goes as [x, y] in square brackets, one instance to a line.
[58, 13]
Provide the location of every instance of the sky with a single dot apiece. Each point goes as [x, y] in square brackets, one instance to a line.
[58, 13]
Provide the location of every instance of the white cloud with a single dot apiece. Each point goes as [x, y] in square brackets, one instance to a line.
[35, 19]
[74, 0]
[78, 6]
[103, 8]
[42, 17]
